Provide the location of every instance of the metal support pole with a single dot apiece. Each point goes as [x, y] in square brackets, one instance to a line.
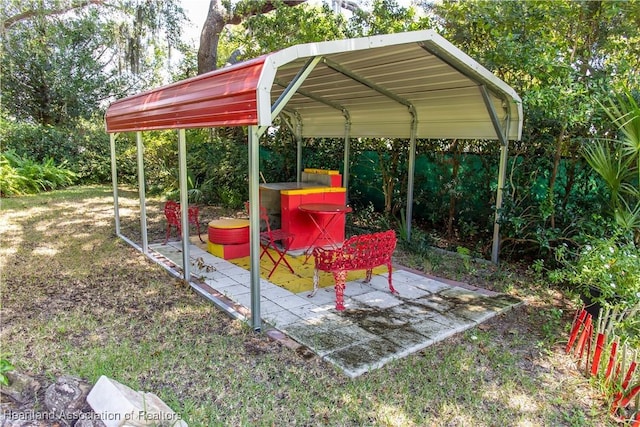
[142, 193]
[347, 155]
[298, 150]
[411, 172]
[254, 225]
[184, 204]
[502, 172]
[502, 132]
[114, 182]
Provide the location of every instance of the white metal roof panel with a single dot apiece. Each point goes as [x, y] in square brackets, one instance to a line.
[439, 80]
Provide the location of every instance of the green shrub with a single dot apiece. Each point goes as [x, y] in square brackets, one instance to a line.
[219, 166]
[5, 366]
[607, 272]
[38, 142]
[11, 182]
[617, 161]
[26, 176]
[609, 266]
[93, 162]
[83, 148]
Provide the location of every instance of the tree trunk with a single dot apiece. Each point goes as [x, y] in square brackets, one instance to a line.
[388, 178]
[218, 17]
[571, 180]
[209, 38]
[554, 173]
[452, 194]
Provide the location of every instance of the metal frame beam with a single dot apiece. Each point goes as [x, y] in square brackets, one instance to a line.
[142, 193]
[294, 85]
[502, 133]
[347, 155]
[373, 86]
[411, 175]
[254, 224]
[184, 204]
[298, 147]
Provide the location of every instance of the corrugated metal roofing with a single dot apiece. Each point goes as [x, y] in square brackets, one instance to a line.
[225, 97]
[354, 79]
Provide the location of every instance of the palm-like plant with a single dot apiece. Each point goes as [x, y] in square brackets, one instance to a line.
[617, 161]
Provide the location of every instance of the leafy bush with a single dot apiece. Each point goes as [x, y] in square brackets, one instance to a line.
[26, 176]
[617, 161]
[607, 270]
[219, 166]
[367, 219]
[5, 366]
[93, 162]
[38, 142]
[11, 182]
[83, 147]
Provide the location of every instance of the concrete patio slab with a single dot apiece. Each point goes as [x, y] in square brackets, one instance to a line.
[376, 328]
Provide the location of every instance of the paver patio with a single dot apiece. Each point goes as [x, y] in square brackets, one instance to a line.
[376, 327]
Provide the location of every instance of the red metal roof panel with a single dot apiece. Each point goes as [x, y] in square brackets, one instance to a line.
[225, 97]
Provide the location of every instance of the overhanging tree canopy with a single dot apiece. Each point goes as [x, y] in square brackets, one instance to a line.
[405, 85]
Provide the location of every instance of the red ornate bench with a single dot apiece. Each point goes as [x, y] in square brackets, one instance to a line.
[363, 252]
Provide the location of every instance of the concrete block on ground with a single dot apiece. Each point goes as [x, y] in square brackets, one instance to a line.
[120, 406]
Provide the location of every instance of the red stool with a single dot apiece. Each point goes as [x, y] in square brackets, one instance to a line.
[229, 238]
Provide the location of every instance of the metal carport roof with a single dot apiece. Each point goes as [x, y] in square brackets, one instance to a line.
[405, 85]
[376, 80]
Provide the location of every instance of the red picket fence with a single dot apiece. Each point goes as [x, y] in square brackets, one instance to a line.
[595, 345]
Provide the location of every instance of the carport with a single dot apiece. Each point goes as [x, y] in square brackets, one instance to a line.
[406, 85]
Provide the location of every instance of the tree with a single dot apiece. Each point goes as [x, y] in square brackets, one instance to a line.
[55, 71]
[221, 14]
[385, 17]
[560, 70]
[63, 59]
[617, 161]
[288, 26]
[30, 11]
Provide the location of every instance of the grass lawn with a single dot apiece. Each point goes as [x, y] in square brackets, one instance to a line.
[77, 300]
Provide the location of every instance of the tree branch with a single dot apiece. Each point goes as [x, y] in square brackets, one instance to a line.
[251, 8]
[218, 17]
[10, 21]
[351, 6]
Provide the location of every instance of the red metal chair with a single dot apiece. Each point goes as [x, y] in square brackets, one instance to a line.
[172, 214]
[269, 238]
[194, 214]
